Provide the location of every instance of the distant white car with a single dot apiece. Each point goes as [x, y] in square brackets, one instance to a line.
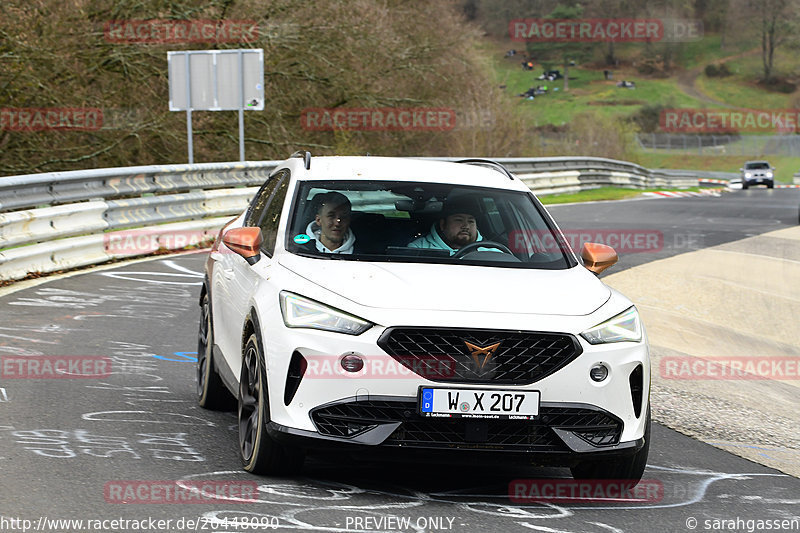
[757, 173]
[333, 314]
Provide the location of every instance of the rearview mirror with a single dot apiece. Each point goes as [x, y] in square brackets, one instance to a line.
[598, 257]
[245, 242]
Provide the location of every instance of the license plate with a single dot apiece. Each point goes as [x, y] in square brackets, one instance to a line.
[478, 403]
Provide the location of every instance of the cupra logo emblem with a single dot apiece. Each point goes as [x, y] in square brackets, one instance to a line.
[478, 351]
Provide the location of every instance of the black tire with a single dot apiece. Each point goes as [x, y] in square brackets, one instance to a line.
[771, 185]
[628, 468]
[211, 392]
[259, 453]
[745, 185]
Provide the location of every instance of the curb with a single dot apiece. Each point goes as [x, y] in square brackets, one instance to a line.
[728, 183]
[683, 194]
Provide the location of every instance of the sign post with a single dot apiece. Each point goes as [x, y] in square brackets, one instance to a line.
[216, 80]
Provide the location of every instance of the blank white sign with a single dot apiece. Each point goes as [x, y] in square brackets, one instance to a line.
[220, 80]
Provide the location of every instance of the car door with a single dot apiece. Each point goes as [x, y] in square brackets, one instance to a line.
[236, 279]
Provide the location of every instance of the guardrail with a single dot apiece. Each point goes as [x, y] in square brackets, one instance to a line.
[61, 220]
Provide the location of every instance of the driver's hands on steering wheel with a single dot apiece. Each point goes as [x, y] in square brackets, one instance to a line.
[464, 250]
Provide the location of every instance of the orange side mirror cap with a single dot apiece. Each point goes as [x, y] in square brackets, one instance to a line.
[245, 242]
[598, 257]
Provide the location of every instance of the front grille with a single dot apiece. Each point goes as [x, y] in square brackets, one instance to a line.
[596, 427]
[513, 435]
[352, 418]
[445, 355]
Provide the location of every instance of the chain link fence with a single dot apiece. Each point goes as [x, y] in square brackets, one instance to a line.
[748, 146]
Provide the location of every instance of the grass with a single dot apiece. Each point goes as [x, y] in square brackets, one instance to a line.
[740, 91]
[588, 90]
[700, 53]
[692, 54]
[602, 193]
[741, 88]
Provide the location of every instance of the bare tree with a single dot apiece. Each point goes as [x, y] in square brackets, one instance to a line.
[714, 14]
[775, 18]
[613, 9]
[565, 53]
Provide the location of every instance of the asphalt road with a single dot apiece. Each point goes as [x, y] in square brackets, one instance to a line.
[680, 224]
[70, 447]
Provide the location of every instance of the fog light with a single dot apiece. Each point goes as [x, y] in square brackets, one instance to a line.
[598, 373]
[352, 363]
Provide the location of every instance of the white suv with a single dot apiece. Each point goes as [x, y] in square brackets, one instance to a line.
[757, 172]
[343, 316]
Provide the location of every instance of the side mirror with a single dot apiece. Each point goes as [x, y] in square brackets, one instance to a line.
[598, 257]
[245, 242]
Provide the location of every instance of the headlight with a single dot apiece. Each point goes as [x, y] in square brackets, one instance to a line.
[769, 174]
[299, 312]
[626, 326]
[748, 175]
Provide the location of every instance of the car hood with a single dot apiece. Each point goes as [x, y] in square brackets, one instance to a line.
[757, 171]
[574, 291]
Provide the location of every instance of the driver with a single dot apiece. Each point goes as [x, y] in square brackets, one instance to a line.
[455, 228]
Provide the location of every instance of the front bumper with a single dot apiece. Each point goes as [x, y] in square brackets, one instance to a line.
[758, 181]
[389, 428]
[569, 386]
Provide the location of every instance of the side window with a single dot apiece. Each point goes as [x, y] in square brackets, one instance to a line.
[256, 208]
[266, 210]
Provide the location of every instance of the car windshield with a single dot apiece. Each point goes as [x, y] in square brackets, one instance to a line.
[758, 165]
[423, 222]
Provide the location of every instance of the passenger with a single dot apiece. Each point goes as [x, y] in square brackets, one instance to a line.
[455, 228]
[331, 225]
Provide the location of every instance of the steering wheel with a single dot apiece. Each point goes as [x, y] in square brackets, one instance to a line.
[464, 250]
